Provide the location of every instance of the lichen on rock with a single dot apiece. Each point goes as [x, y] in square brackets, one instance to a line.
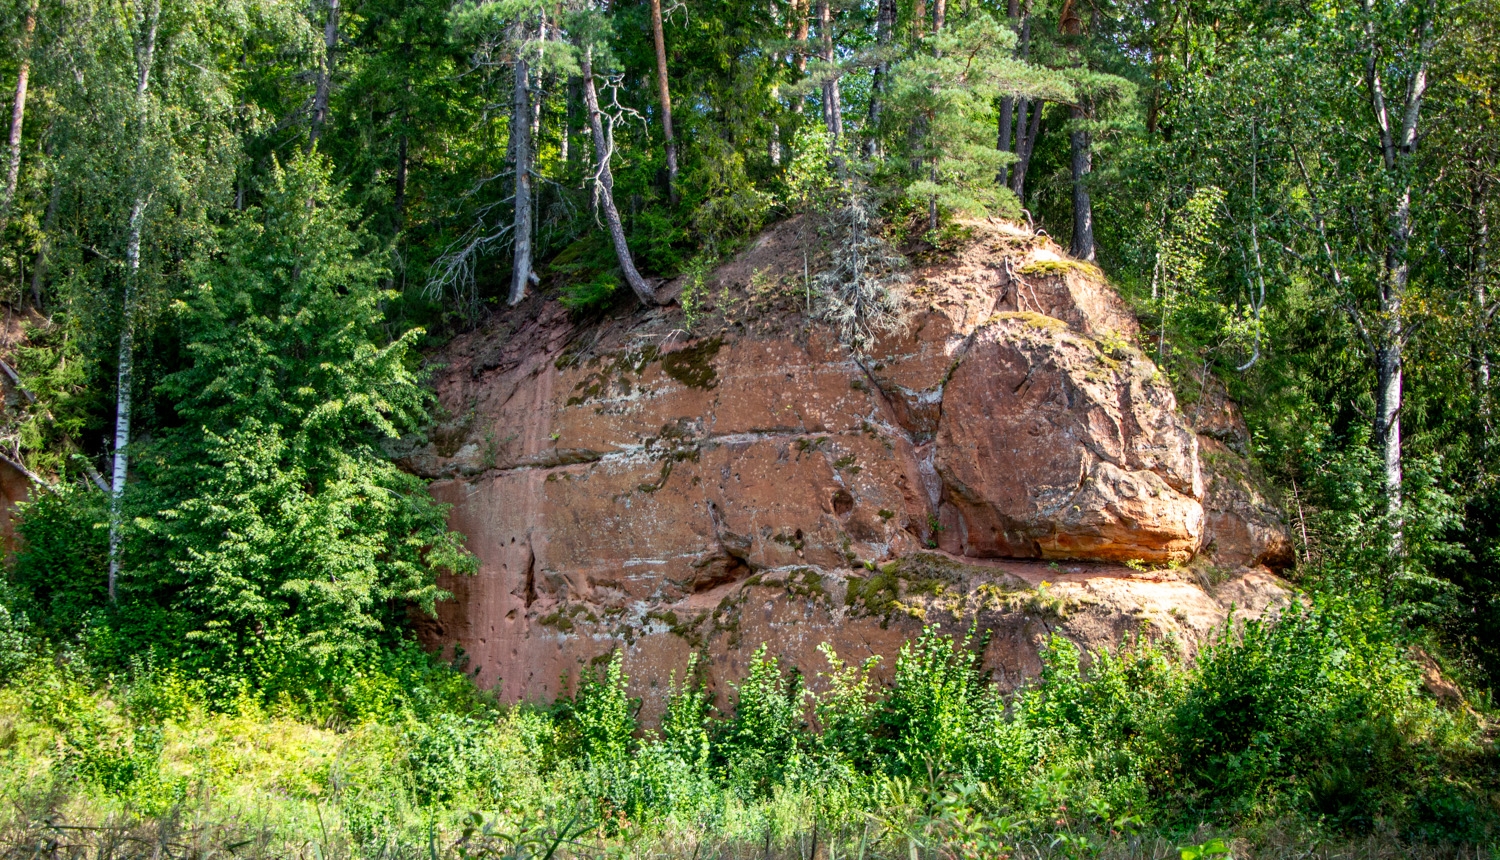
[994, 463]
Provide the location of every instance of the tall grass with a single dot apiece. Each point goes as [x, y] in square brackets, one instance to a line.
[1308, 728]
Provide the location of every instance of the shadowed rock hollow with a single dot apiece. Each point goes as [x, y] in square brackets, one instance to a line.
[628, 482]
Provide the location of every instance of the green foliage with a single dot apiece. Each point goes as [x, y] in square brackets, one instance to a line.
[1314, 716]
[847, 711]
[593, 294]
[17, 643]
[684, 726]
[937, 704]
[603, 716]
[1289, 704]
[271, 537]
[1178, 285]
[1211, 848]
[950, 85]
[58, 574]
[762, 744]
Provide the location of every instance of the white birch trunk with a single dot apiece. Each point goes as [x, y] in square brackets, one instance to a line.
[17, 117]
[145, 56]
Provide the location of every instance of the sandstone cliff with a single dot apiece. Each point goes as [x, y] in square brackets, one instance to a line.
[1010, 459]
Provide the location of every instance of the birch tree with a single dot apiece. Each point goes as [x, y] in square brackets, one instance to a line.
[18, 117]
[1396, 124]
[144, 144]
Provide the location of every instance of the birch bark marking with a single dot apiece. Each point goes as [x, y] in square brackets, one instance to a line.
[1397, 147]
[605, 186]
[17, 117]
[666, 99]
[520, 144]
[1480, 334]
[325, 74]
[145, 56]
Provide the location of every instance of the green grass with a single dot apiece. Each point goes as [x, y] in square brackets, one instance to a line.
[1310, 736]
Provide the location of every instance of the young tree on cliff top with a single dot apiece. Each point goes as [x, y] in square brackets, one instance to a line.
[953, 86]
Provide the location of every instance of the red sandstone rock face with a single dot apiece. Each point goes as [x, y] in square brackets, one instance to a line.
[625, 483]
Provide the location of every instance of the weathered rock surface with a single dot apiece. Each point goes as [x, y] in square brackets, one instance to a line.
[625, 482]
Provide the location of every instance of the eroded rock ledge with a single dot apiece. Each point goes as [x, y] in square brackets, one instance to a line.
[628, 482]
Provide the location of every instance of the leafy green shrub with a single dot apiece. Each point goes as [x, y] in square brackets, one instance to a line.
[446, 755]
[603, 715]
[847, 712]
[272, 541]
[938, 704]
[1318, 702]
[762, 743]
[17, 644]
[685, 724]
[59, 578]
[670, 772]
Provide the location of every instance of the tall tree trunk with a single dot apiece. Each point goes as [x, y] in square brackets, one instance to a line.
[1026, 136]
[665, 94]
[799, 56]
[1480, 336]
[833, 109]
[885, 25]
[39, 266]
[520, 145]
[1389, 359]
[1083, 209]
[400, 196]
[939, 12]
[573, 97]
[121, 465]
[605, 186]
[1003, 135]
[145, 57]
[17, 116]
[325, 74]
[1397, 145]
[1007, 108]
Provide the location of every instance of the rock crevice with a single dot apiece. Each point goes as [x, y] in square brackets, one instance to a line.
[628, 484]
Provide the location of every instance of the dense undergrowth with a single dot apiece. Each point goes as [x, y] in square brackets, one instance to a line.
[1309, 732]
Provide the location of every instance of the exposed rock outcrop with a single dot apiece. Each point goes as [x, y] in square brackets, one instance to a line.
[626, 481]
